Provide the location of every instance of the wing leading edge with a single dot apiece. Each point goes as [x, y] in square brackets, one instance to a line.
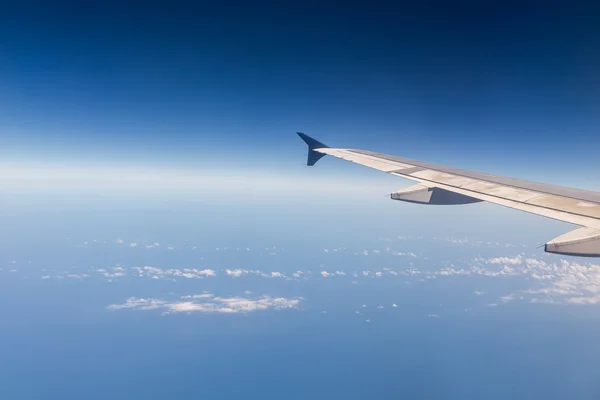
[440, 185]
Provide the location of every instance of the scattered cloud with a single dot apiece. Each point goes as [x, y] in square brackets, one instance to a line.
[505, 260]
[208, 303]
[139, 303]
[508, 298]
[198, 296]
[548, 280]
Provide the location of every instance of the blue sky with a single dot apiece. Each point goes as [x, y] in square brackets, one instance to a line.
[149, 166]
[510, 89]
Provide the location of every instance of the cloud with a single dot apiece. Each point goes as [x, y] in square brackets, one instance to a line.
[325, 274]
[198, 296]
[505, 260]
[405, 254]
[236, 273]
[139, 303]
[159, 273]
[207, 303]
[508, 298]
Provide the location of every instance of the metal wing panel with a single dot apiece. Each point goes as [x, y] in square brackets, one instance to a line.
[379, 163]
[570, 205]
[584, 195]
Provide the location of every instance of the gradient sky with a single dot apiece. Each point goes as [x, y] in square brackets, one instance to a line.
[510, 88]
[145, 135]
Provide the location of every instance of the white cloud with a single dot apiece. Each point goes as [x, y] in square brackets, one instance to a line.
[198, 296]
[508, 298]
[505, 260]
[207, 303]
[405, 254]
[77, 276]
[395, 305]
[139, 303]
[325, 274]
[236, 273]
[584, 300]
[207, 272]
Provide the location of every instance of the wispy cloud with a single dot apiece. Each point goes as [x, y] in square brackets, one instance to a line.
[208, 303]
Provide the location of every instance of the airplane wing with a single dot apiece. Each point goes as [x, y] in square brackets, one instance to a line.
[439, 185]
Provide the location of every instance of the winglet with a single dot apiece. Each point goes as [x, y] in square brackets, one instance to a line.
[313, 156]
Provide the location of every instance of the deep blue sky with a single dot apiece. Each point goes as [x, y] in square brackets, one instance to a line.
[483, 85]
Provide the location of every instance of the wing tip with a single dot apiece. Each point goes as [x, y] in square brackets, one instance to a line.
[313, 156]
